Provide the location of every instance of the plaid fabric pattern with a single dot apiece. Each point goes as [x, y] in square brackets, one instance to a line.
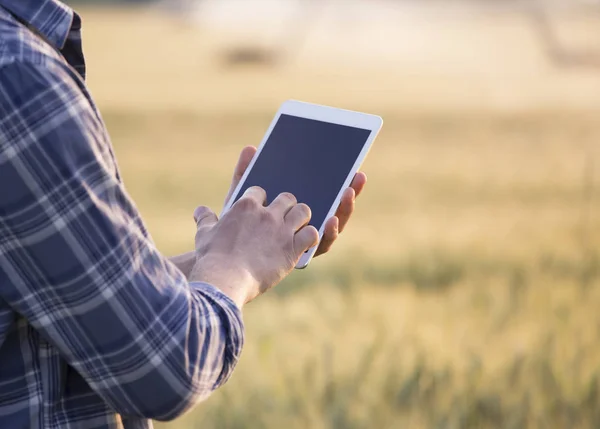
[97, 328]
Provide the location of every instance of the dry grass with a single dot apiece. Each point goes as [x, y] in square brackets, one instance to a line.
[465, 293]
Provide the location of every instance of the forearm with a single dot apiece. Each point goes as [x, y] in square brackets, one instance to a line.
[191, 350]
[150, 331]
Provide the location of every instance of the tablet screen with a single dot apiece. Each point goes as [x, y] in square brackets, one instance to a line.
[309, 158]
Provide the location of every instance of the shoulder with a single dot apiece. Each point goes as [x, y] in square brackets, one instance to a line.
[42, 105]
[31, 70]
[18, 44]
[34, 89]
[47, 119]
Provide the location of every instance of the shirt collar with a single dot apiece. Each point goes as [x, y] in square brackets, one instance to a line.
[52, 18]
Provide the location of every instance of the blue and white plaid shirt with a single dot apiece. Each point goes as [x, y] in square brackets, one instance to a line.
[97, 328]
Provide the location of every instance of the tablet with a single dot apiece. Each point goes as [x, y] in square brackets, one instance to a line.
[313, 152]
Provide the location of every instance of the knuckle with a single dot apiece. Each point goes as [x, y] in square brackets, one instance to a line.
[335, 233]
[268, 216]
[246, 204]
[347, 208]
[258, 189]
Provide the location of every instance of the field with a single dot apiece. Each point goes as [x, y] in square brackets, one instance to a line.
[465, 292]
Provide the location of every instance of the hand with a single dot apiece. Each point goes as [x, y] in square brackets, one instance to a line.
[333, 226]
[252, 247]
[184, 262]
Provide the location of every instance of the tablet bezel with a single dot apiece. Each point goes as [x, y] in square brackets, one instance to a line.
[332, 115]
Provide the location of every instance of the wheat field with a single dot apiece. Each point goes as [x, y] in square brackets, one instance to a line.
[465, 292]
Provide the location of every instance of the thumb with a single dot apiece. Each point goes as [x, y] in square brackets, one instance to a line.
[243, 162]
[204, 216]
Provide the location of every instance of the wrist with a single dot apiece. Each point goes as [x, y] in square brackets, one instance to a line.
[233, 280]
[185, 262]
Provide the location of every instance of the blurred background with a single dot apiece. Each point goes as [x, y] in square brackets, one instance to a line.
[465, 292]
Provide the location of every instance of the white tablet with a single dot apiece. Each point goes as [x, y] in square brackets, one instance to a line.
[312, 152]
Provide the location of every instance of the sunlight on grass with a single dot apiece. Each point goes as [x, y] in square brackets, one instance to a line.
[465, 292]
[464, 296]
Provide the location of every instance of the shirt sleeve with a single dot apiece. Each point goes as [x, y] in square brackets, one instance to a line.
[77, 263]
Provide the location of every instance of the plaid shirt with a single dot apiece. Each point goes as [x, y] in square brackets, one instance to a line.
[97, 328]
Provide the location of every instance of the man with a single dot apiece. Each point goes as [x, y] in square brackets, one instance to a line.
[97, 328]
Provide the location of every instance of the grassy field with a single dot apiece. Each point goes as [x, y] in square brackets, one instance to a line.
[464, 294]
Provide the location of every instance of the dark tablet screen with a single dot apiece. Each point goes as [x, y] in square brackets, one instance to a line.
[308, 158]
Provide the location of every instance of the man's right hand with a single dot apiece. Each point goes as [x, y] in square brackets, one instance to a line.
[253, 247]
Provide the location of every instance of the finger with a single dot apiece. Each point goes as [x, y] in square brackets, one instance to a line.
[358, 183]
[306, 238]
[298, 216]
[257, 194]
[242, 165]
[330, 235]
[204, 216]
[346, 208]
[283, 203]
